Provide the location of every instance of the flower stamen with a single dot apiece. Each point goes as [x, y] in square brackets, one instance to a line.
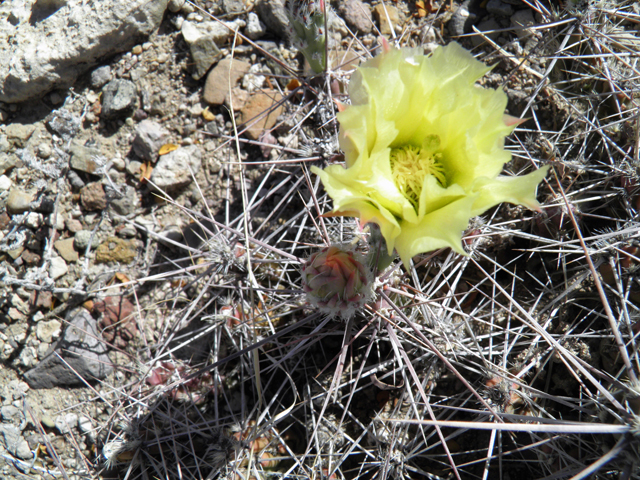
[410, 166]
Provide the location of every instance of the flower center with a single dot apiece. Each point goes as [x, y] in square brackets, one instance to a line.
[411, 165]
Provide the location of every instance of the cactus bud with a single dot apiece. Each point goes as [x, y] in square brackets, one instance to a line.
[337, 281]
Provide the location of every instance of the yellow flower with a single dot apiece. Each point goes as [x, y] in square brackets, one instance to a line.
[424, 148]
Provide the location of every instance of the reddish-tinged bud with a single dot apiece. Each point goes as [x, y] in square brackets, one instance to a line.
[337, 281]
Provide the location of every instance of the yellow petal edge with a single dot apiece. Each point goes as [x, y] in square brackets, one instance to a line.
[424, 148]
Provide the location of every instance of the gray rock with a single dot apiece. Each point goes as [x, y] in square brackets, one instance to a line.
[74, 180]
[64, 123]
[204, 53]
[521, 21]
[498, 7]
[81, 240]
[84, 158]
[14, 443]
[19, 133]
[233, 6]
[174, 6]
[68, 42]
[5, 146]
[128, 203]
[133, 168]
[66, 423]
[174, 169]
[11, 414]
[219, 32]
[255, 28]
[81, 348]
[100, 76]
[462, 20]
[119, 97]
[487, 26]
[272, 13]
[18, 201]
[55, 98]
[150, 136]
[357, 15]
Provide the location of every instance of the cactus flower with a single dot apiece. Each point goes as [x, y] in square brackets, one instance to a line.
[336, 281]
[424, 148]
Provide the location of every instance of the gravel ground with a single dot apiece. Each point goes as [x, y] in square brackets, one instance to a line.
[125, 154]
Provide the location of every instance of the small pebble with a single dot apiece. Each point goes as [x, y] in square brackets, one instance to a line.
[44, 151]
[58, 268]
[18, 201]
[73, 225]
[137, 50]
[5, 183]
[55, 98]
[81, 240]
[84, 424]
[118, 163]
[64, 423]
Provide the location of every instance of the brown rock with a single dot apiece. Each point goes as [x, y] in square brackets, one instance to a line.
[260, 112]
[381, 17]
[18, 133]
[239, 97]
[30, 258]
[118, 321]
[15, 253]
[216, 88]
[41, 300]
[73, 225]
[4, 220]
[115, 249]
[18, 201]
[65, 249]
[357, 15]
[93, 197]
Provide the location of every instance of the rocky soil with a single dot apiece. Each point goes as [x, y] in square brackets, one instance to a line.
[123, 126]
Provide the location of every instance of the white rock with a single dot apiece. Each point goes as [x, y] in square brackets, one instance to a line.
[84, 424]
[5, 183]
[252, 81]
[173, 170]
[192, 31]
[57, 268]
[428, 34]
[255, 28]
[64, 423]
[50, 50]
[48, 331]
[33, 220]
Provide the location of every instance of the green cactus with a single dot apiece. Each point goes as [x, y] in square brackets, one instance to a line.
[307, 33]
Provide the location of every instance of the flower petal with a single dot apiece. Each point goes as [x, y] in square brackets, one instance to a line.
[434, 196]
[519, 190]
[350, 202]
[438, 229]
